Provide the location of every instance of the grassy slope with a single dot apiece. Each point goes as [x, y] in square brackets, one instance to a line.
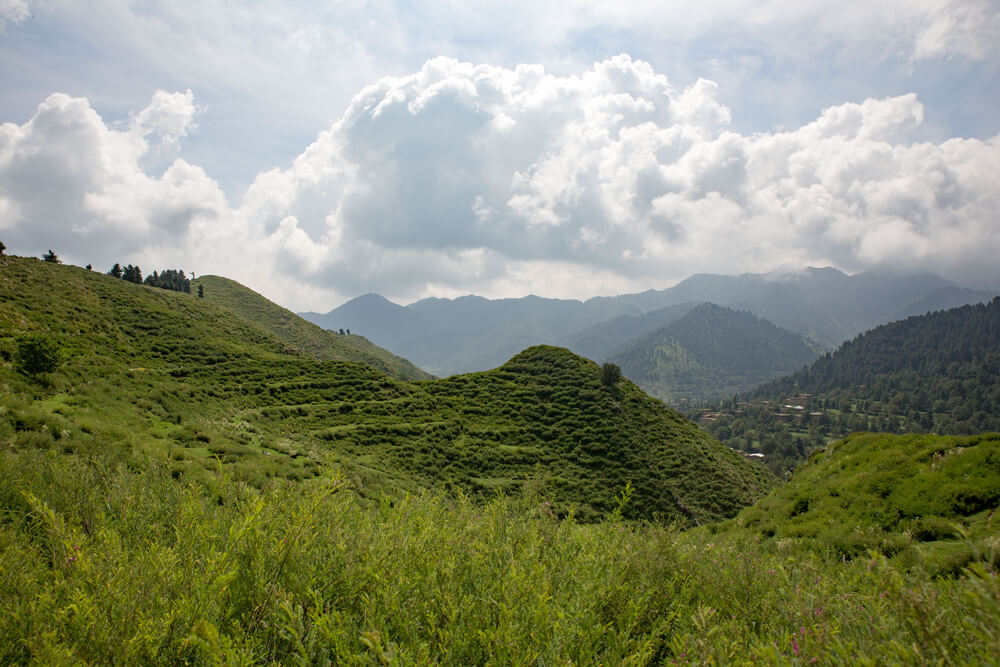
[102, 563]
[190, 381]
[889, 492]
[303, 335]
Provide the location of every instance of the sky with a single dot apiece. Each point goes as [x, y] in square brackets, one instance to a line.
[316, 151]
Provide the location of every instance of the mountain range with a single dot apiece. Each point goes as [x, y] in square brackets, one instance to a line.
[825, 305]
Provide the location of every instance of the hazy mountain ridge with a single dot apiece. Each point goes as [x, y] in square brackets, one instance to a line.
[711, 352]
[473, 333]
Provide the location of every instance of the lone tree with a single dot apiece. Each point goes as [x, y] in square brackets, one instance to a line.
[36, 354]
[2, 247]
[201, 291]
[610, 374]
[51, 257]
[116, 270]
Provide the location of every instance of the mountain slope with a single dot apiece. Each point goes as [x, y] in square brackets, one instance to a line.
[822, 304]
[601, 340]
[711, 352]
[886, 492]
[938, 372]
[301, 334]
[191, 382]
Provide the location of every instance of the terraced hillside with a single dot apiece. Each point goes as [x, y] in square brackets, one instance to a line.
[195, 382]
[303, 335]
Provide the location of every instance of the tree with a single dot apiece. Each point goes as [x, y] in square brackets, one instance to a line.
[610, 374]
[36, 354]
[2, 248]
[90, 267]
[51, 257]
[116, 270]
[201, 291]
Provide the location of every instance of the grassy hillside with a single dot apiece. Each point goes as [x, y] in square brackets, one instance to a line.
[114, 564]
[891, 493]
[198, 384]
[709, 353]
[301, 334]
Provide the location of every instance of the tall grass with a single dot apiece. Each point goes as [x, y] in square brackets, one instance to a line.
[105, 563]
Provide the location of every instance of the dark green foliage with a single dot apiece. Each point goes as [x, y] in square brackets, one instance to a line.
[116, 270]
[938, 372]
[610, 374]
[169, 279]
[36, 354]
[132, 274]
[201, 291]
[3, 247]
[51, 257]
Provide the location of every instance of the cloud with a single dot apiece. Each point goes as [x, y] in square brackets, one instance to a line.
[13, 11]
[463, 178]
[67, 179]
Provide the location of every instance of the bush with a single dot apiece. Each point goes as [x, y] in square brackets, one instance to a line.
[610, 374]
[36, 354]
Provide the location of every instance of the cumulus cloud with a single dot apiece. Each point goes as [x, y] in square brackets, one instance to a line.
[464, 178]
[67, 179]
[13, 11]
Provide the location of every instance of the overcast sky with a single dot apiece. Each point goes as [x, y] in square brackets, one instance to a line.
[316, 151]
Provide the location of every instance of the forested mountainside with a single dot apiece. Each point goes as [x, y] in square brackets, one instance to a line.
[205, 385]
[938, 372]
[709, 353]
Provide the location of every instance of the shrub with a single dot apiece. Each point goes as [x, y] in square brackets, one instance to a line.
[36, 354]
[610, 374]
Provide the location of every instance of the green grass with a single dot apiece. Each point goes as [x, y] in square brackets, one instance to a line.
[107, 563]
[300, 334]
[915, 497]
[203, 384]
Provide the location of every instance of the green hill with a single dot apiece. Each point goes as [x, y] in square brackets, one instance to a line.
[204, 384]
[301, 334]
[938, 372]
[709, 353]
[890, 492]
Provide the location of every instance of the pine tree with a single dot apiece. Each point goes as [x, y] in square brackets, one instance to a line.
[51, 257]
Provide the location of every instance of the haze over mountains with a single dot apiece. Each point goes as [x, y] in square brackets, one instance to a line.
[825, 305]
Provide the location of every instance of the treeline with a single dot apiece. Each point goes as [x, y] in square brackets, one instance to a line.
[938, 373]
[170, 279]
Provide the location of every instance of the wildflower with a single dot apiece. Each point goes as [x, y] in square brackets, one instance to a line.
[795, 647]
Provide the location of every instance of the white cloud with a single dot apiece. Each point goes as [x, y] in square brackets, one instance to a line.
[502, 181]
[13, 11]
